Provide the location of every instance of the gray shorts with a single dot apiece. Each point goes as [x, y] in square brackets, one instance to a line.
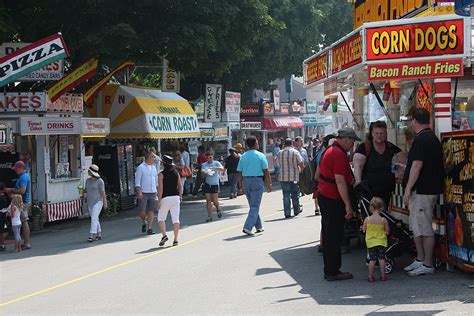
[148, 203]
[16, 232]
[421, 208]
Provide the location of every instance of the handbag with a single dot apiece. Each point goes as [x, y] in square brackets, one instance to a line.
[185, 172]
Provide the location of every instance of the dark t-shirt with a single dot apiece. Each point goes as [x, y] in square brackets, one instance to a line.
[231, 163]
[426, 147]
[170, 183]
[378, 167]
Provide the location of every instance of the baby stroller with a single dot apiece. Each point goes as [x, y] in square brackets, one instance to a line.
[400, 239]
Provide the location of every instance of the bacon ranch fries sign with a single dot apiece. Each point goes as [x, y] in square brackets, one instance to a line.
[317, 68]
[415, 70]
[415, 40]
[32, 57]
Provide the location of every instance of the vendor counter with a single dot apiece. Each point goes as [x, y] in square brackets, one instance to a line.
[63, 199]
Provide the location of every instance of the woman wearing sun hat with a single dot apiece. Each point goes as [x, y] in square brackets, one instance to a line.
[96, 200]
[170, 194]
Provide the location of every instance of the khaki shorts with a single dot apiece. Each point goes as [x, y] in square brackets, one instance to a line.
[24, 213]
[421, 208]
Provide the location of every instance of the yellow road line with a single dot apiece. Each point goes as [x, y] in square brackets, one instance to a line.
[90, 275]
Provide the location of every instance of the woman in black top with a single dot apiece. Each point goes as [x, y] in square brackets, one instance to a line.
[170, 195]
[373, 162]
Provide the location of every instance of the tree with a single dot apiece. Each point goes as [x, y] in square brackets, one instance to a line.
[243, 44]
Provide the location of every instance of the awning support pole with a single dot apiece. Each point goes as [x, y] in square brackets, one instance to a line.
[349, 108]
[453, 101]
[374, 91]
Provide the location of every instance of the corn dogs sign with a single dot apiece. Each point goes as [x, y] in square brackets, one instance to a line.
[415, 40]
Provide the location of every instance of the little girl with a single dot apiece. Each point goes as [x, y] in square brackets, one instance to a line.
[376, 230]
[15, 210]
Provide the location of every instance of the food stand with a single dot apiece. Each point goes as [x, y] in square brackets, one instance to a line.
[392, 66]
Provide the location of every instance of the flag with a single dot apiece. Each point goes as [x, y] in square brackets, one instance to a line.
[90, 93]
[74, 77]
[32, 57]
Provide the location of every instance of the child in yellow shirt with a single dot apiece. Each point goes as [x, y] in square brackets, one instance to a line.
[376, 230]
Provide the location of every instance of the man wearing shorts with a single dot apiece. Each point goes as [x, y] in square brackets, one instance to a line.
[23, 187]
[423, 183]
[146, 186]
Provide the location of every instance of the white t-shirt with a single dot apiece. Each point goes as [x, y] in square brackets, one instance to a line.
[16, 219]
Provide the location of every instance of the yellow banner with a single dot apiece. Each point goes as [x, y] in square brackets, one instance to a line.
[92, 91]
[81, 73]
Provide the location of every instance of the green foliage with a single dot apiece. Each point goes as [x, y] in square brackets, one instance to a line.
[243, 44]
[113, 201]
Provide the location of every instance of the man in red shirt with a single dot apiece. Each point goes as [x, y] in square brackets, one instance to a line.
[334, 201]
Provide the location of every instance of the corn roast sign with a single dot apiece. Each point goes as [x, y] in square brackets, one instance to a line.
[32, 57]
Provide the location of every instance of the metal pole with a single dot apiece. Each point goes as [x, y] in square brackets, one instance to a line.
[375, 92]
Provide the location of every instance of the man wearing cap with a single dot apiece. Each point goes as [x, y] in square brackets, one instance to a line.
[423, 183]
[146, 186]
[23, 187]
[335, 180]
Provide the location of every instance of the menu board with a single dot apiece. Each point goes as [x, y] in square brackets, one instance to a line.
[458, 154]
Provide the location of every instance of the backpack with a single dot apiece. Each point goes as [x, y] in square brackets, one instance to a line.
[307, 183]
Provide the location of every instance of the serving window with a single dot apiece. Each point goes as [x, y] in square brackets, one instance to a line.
[64, 156]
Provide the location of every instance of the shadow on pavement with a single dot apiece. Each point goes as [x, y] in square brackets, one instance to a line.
[305, 265]
[70, 235]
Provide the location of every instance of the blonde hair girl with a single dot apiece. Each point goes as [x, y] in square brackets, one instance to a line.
[15, 210]
[376, 230]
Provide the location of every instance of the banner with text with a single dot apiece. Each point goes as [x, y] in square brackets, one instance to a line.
[170, 78]
[32, 57]
[415, 40]
[74, 77]
[90, 93]
[212, 108]
[446, 68]
[50, 72]
[346, 54]
[316, 68]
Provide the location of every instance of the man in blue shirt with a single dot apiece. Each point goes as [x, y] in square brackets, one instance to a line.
[23, 187]
[252, 168]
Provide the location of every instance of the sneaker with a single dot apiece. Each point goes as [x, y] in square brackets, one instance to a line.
[414, 265]
[421, 270]
[163, 240]
[261, 230]
[248, 232]
[150, 232]
[143, 228]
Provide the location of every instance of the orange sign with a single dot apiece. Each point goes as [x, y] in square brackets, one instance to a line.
[346, 54]
[317, 68]
[415, 40]
[446, 68]
[382, 10]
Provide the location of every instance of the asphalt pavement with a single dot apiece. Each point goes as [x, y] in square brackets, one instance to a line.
[214, 270]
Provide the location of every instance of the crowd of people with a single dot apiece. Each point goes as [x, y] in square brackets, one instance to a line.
[160, 183]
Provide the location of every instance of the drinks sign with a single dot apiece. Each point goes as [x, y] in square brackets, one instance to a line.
[33, 125]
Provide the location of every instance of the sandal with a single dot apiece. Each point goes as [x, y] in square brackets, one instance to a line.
[371, 278]
[90, 239]
[98, 238]
[383, 278]
[209, 219]
[25, 247]
[175, 243]
[163, 240]
[219, 214]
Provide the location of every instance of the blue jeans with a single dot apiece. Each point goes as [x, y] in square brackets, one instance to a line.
[233, 182]
[290, 189]
[253, 191]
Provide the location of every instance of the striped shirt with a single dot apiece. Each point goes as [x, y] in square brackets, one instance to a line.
[288, 160]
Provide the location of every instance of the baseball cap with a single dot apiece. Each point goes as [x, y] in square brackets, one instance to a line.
[18, 164]
[347, 132]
